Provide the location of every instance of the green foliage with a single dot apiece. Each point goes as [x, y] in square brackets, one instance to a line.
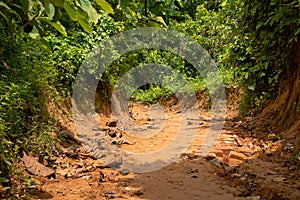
[103, 4]
[261, 45]
[69, 52]
[251, 42]
[252, 49]
[25, 124]
[30, 15]
[151, 95]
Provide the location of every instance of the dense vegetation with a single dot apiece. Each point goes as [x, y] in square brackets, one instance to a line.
[254, 44]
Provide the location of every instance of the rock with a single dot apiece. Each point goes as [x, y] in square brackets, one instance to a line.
[125, 172]
[110, 195]
[193, 175]
[225, 160]
[86, 177]
[112, 134]
[116, 163]
[236, 175]
[217, 152]
[149, 119]
[74, 172]
[98, 154]
[112, 123]
[61, 171]
[278, 179]
[34, 167]
[254, 198]
[89, 168]
[102, 177]
[210, 156]
[96, 128]
[288, 147]
[216, 162]
[72, 136]
[231, 169]
[237, 156]
[149, 126]
[244, 178]
[238, 142]
[246, 150]
[227, 150]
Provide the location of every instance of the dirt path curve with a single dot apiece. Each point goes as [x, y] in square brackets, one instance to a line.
[223, 174]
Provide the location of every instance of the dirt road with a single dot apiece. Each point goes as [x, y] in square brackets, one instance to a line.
[240, 166]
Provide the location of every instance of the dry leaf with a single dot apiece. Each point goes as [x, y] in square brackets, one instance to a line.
[61, 171]
[36, 168]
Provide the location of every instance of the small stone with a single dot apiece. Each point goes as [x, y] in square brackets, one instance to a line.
[110, 195]
[112, 123]
[86, 177]
[216, 162]
[89, 168]
[152, 126]
[243, 178]
[254, 198]
[102, 177]
[116, 163]
[246, 150]
[288, 146]
[210, 156]
[225, 160]
[231, 169]
[279, 179]
[237, 156]
[150, 119]
[218, 152]
[236, 175]
[81, 135]
[125, 172]
[96, 128]
[193, 175]
[226, 150]
[138, 193]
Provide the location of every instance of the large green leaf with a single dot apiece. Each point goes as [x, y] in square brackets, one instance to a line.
[71, 10]
[105, 6]
[34, 33]
[4, 5]
[5, 17]
[83, 21]
[92, 13]
[45, 45]
[27, 7]
[58, 26]
[252, 86]
[77, 14]
[3, 180]
[161, 20]
[84, 4]
[50, 9]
